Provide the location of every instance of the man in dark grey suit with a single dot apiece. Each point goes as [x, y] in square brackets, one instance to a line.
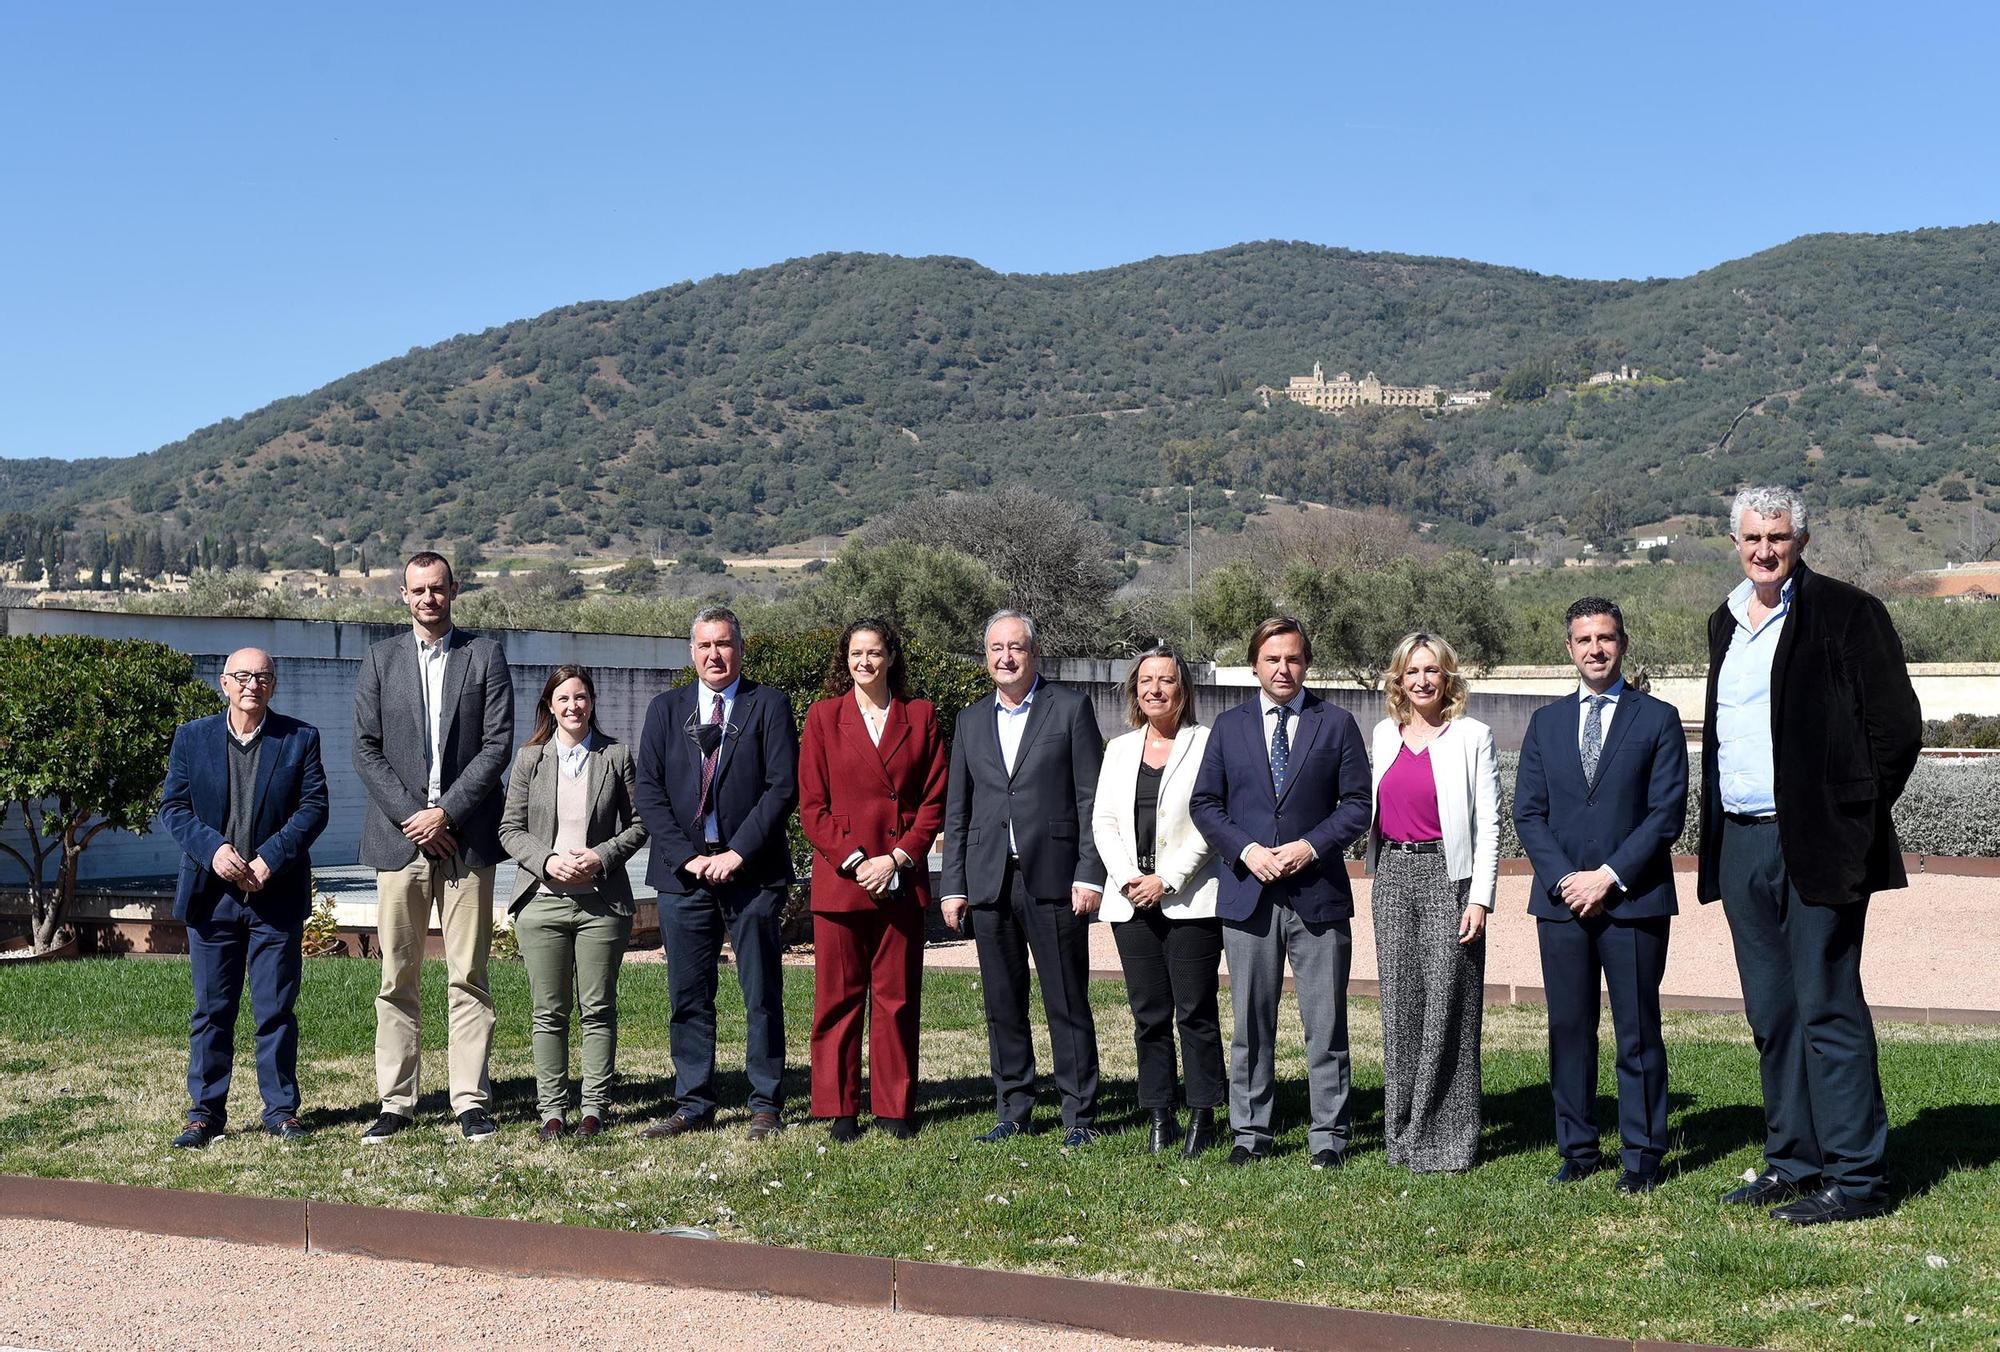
[1021, 868]
[433, 730]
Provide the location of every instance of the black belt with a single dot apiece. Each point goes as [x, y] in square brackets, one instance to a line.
[712, 847]
[1414, 846]
[1744, 819]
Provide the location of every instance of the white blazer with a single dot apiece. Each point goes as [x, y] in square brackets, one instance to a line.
[1466, 770]
[1182, 858]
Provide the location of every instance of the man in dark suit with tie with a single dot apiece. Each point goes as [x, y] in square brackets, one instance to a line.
[1811, 731]
[433, 732]
[1599, 801]
[1283, 791]
[718, 778]
[1020, 867]
[245, 798]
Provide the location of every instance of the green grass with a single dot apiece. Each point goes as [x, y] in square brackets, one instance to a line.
[93, 1055]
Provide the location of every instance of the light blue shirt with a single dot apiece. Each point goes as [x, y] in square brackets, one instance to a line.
[1743, 751]
[704, 709]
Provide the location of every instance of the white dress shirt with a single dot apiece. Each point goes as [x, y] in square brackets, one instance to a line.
[431, 659]
[1604, 716]
[1744, 763]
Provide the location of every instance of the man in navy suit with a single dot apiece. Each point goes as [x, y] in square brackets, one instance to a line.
[1283, 791]
[1600, 799]
[718, 777]
[245, 798]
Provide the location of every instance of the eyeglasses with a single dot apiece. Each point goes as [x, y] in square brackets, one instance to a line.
[253, 677]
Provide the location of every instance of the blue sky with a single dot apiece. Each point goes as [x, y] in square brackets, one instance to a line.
[206, 207]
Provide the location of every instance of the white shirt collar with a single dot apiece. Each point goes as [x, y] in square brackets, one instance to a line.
[1266, 704]
[1611, 695]
[1026, 700]
[441, 644]
[727, 694]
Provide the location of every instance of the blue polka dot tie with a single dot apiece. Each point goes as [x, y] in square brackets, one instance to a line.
[1281, 751]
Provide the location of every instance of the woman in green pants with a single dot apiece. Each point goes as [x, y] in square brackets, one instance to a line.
[571, 825]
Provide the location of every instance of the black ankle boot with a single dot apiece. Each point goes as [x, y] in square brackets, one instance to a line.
[845, 1129]
[1166, 1130]
[1200, 1132]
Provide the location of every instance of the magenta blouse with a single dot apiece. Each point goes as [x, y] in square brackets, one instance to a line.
[1407, 807]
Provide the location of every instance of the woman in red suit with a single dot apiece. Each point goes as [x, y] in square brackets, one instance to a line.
[872, 768]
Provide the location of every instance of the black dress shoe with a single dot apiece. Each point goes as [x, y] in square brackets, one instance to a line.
[897, 1128]
[1166, 1130]
[1243, 1154]
[1328, 1159]
[385, 1126]
[845, 1129]
[1003, 1130]
[288, 1129]
[1200, 1132]
[1632, 1183]
[1767, 1189]
[1575, 1171]
[677, 1124]
[1829, 1204]
[197, 1134]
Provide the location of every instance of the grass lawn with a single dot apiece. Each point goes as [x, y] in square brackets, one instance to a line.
[93, 1059]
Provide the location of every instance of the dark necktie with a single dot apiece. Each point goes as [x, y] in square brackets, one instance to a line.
[1593, 735]
[708, 761]
[1281, 751]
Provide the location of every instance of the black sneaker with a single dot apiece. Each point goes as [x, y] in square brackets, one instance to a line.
[199, 1132]
[477, 1124]
[387, 1125]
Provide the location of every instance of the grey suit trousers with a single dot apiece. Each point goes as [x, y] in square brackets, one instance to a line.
[1320, 956]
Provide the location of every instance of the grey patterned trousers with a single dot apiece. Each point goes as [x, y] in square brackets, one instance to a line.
[1432, 1003]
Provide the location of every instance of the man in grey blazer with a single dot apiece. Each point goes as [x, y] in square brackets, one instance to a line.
[433, 729]
[1021, 868]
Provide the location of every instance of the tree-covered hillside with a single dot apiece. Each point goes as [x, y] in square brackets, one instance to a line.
[744, 411]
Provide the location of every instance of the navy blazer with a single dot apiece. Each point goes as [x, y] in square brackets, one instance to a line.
[755, 790]
[1629, 817]
[291, 812]
[1327, 803]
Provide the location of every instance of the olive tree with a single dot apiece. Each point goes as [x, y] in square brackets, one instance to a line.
[85, 727]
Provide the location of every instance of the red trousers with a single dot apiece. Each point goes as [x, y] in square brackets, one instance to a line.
[874, 954]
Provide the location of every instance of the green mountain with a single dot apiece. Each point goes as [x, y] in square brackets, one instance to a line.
[750, 410]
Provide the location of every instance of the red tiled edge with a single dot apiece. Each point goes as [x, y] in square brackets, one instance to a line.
[160, 1211]
[1200, 1319]
[1952, 866]
[581, 1251]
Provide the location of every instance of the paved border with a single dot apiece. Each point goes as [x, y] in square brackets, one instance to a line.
[1158, 1314]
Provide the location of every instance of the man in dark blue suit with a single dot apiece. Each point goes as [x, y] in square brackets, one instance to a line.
[1282, 792]
[245, 798]
[1600, 799]
[718, 777]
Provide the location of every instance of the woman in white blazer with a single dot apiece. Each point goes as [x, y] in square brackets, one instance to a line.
[1159, 895]
[1435, 852]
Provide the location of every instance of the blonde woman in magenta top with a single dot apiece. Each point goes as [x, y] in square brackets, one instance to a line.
[1435, 853]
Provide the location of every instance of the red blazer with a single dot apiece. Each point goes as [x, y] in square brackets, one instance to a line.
[854, 795]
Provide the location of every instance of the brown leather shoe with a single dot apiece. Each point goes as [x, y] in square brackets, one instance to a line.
[763, 1126]
[552, 1131]
[679, 1124]
[590, 1126]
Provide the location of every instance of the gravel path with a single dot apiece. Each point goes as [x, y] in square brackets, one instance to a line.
[120, 1289]
[1933, 944]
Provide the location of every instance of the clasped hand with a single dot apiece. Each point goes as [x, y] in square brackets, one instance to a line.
[1145, 891]
[430, 831]
[1269, 865]
[874, 874]
[1584, 893]
[574, 866]
[715, 868]
[230, 866]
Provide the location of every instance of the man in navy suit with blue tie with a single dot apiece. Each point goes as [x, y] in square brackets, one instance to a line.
[1282, 792]
[245, 798]
[1600, 800]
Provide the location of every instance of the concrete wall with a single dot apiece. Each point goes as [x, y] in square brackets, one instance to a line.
[317, 664]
